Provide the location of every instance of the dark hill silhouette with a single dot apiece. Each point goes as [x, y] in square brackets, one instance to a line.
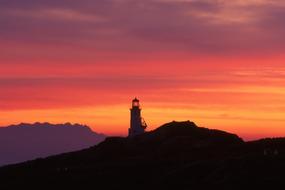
[170, 138]
[178, 155]
[24, 142]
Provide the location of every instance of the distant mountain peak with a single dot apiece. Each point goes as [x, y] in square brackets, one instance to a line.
[47, 124]
[29, 141]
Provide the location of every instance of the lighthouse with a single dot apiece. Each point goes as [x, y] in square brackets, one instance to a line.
[138, 124]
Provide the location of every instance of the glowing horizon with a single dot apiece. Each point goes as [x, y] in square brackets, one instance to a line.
[217, 63]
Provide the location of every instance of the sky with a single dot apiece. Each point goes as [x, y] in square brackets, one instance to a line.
[218, 63]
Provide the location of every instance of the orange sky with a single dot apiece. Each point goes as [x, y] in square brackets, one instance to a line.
[217, 63]
[241, 98]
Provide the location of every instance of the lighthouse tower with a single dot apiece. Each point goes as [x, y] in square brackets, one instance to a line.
[138, 124]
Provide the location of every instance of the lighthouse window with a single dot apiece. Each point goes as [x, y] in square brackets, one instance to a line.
[136, 104]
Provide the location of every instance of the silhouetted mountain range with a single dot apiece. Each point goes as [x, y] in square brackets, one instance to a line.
[24, 142]
[178, 155]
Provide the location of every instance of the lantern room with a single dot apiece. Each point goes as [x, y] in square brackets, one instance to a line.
[136, 103]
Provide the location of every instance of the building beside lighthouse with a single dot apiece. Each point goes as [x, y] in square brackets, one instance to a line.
[138, 125]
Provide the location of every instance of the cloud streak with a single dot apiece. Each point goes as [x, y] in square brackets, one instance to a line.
[199, 27]
[207, 59]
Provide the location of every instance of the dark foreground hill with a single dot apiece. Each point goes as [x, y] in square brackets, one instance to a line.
[178, 155]
[24, 142]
